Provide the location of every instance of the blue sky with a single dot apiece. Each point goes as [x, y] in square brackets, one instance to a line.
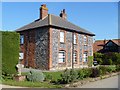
[100, 18]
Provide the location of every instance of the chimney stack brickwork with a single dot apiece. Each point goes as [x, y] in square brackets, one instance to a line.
[43, 11]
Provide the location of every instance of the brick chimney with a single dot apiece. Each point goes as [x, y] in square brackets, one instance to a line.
[43, 11]
[63, 14]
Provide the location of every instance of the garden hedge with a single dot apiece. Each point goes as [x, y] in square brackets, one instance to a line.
[10, 52]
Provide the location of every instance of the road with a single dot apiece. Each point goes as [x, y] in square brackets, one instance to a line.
[111, 82]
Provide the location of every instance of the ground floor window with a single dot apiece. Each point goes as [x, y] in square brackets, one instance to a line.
[21, 55]
[61, 56]
[85, 57]
[75, 56]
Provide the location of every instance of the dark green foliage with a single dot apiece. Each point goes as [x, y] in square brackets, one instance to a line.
[103, 70]
[48, 77]
[90, 61]
[117, 67]
[10, 52]
[73, 75]
[65, 77]
[84, 73]
[98, 57]
[107, 58]
[95, 72]
[81, 74]
[111, 68]
[35, 76]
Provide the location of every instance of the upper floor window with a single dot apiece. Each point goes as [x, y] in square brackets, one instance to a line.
[75, 39]
[75, 56]
[61, 56]
[85, 56]
[62, 35]
[85, 40]
[21, 39]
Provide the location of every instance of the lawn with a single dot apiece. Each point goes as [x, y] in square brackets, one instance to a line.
[30, 84]
[55, 75]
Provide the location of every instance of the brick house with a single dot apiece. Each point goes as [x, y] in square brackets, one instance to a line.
[105, 46]
[53, 43]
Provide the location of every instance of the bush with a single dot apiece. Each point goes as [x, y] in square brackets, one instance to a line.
[65, 77]
[103, 70]
[81, 74]
[95, 72]
[73, 75]
[90, 61]
[117, 67]
[84, 73]
[35, 76]
[48, 77]
[68, 76]
[10, 52]
[111, 68]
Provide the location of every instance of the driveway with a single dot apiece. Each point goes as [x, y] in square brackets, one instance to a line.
[111, 82]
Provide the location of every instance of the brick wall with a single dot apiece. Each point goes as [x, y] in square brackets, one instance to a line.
[28, 48]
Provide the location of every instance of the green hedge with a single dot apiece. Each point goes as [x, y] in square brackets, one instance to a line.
[10, 52]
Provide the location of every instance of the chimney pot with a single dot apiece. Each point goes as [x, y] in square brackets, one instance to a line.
[63, 14]
[43, 11]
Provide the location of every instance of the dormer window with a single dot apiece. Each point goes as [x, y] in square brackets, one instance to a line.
[62, 36]
[21, 39]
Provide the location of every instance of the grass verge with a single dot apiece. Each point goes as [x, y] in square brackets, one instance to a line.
[30, 84]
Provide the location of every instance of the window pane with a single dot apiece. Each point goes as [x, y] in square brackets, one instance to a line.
[61, 56]
[75, 56]
[75, 39]
[21, 56]
[61, 36]
[21, 39]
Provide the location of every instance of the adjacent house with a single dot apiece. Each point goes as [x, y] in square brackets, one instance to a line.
[105, 46]
[53, 43]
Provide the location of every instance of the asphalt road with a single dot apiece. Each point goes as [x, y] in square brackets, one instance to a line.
[111, 82]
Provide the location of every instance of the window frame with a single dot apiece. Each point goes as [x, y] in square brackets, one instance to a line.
[21, 38]
[85, 39]
[85, 57]
[75, 57]
[62, 39]
[64, 56]
[75, 39]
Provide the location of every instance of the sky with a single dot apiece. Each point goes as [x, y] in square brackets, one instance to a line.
[100, 18]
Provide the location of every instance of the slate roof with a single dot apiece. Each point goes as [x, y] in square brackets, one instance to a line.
[52, 20]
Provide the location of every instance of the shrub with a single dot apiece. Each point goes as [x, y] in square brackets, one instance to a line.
[48, 77]
[90, 61]
[110, 62]
[65, 77]
[111, 69]
[95, 72]
[68, 76]
[117, 67]
[81, 74]
[103, 70]
[35, 76]
[73, 75]
[10, 52]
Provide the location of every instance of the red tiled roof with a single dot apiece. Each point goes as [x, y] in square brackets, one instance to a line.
[98, 45]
